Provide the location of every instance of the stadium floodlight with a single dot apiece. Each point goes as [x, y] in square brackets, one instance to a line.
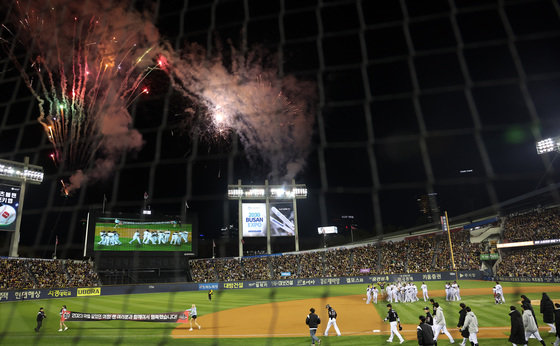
[22, 173]
[16, 171]
[548, 145]
[298, 191]
[267, 193]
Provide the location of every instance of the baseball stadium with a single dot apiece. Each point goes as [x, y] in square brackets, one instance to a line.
[280, 172]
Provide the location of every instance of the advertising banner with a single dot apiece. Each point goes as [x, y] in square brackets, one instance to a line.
[255, 223]
[254, 219]
[9, 203]
[174, 317]
[282, 220]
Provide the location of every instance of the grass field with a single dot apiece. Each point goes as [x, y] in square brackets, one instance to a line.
[18, 318]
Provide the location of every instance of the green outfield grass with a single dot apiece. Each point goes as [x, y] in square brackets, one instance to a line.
[18, 318]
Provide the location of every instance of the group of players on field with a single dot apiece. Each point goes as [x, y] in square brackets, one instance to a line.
[111, 238]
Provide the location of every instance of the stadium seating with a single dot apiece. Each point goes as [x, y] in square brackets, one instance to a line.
[38, 273]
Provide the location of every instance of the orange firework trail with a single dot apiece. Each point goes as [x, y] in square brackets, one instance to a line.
[84, 73]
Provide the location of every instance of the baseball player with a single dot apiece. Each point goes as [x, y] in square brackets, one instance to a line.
[368, 294]
[174, 238]
[447, 289]
[192, 315]
[103, 236]
[332, 321]
[500, 290]
[147, 237]
[185, 237]
[440, 325]
[374, 292]
[393, 318]
[136, 237]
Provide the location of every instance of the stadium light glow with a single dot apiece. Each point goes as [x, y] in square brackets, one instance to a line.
[298, 191]
[548, 145]
[267, 193]
[16, 171]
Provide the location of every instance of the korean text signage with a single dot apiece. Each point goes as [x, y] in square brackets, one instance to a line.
[178, 317]
[9, 203]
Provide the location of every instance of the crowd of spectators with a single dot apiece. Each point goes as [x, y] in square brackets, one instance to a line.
[539, 224]
[428, 253]
[465, 254]
[530, 262]
[413, 255]
[38, 273]
[256, 268]
[284, 264]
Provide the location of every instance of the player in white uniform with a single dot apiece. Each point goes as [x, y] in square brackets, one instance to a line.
[147, 237]
[500, 290]
[185, 236]
[103, 236]
[424, 288]
[455, 291]
[174, 237]
[154, 238]
[374, 293]
[136, 237]
[166, 238]
[368, 294]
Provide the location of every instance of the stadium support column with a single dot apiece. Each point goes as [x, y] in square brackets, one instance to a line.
[14, 243]
[267, 198]
[240, 228]
[296, 235]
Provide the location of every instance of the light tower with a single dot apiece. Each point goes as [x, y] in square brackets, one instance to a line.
[267, 193]
[22, 173]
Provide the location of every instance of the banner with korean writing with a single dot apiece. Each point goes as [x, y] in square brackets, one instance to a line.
[9, 203]
[173, 317]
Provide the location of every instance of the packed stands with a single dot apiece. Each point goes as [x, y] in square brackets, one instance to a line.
[39, 273]
[423, 254]
[538, 224]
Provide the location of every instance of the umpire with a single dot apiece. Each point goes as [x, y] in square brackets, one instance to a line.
[40, 317]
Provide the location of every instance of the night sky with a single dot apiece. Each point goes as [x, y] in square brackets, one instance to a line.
[410, 98]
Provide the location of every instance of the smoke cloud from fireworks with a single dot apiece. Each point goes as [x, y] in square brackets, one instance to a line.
[244, 93]
[89, 62]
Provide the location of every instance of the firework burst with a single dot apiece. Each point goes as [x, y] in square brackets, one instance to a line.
[85, 71]
[272, 114]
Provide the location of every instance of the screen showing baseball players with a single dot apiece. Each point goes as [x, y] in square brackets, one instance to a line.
[9, 203]
[114, 234]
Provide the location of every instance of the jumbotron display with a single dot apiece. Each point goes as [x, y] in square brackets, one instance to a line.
[116, 234]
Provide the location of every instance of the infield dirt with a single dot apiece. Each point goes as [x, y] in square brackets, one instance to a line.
[287, 319]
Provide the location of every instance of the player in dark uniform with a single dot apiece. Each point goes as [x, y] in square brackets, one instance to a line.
[210, 293]
[40, 317]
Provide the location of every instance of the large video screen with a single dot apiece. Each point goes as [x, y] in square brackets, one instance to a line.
[281, 219]
[115, 234]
